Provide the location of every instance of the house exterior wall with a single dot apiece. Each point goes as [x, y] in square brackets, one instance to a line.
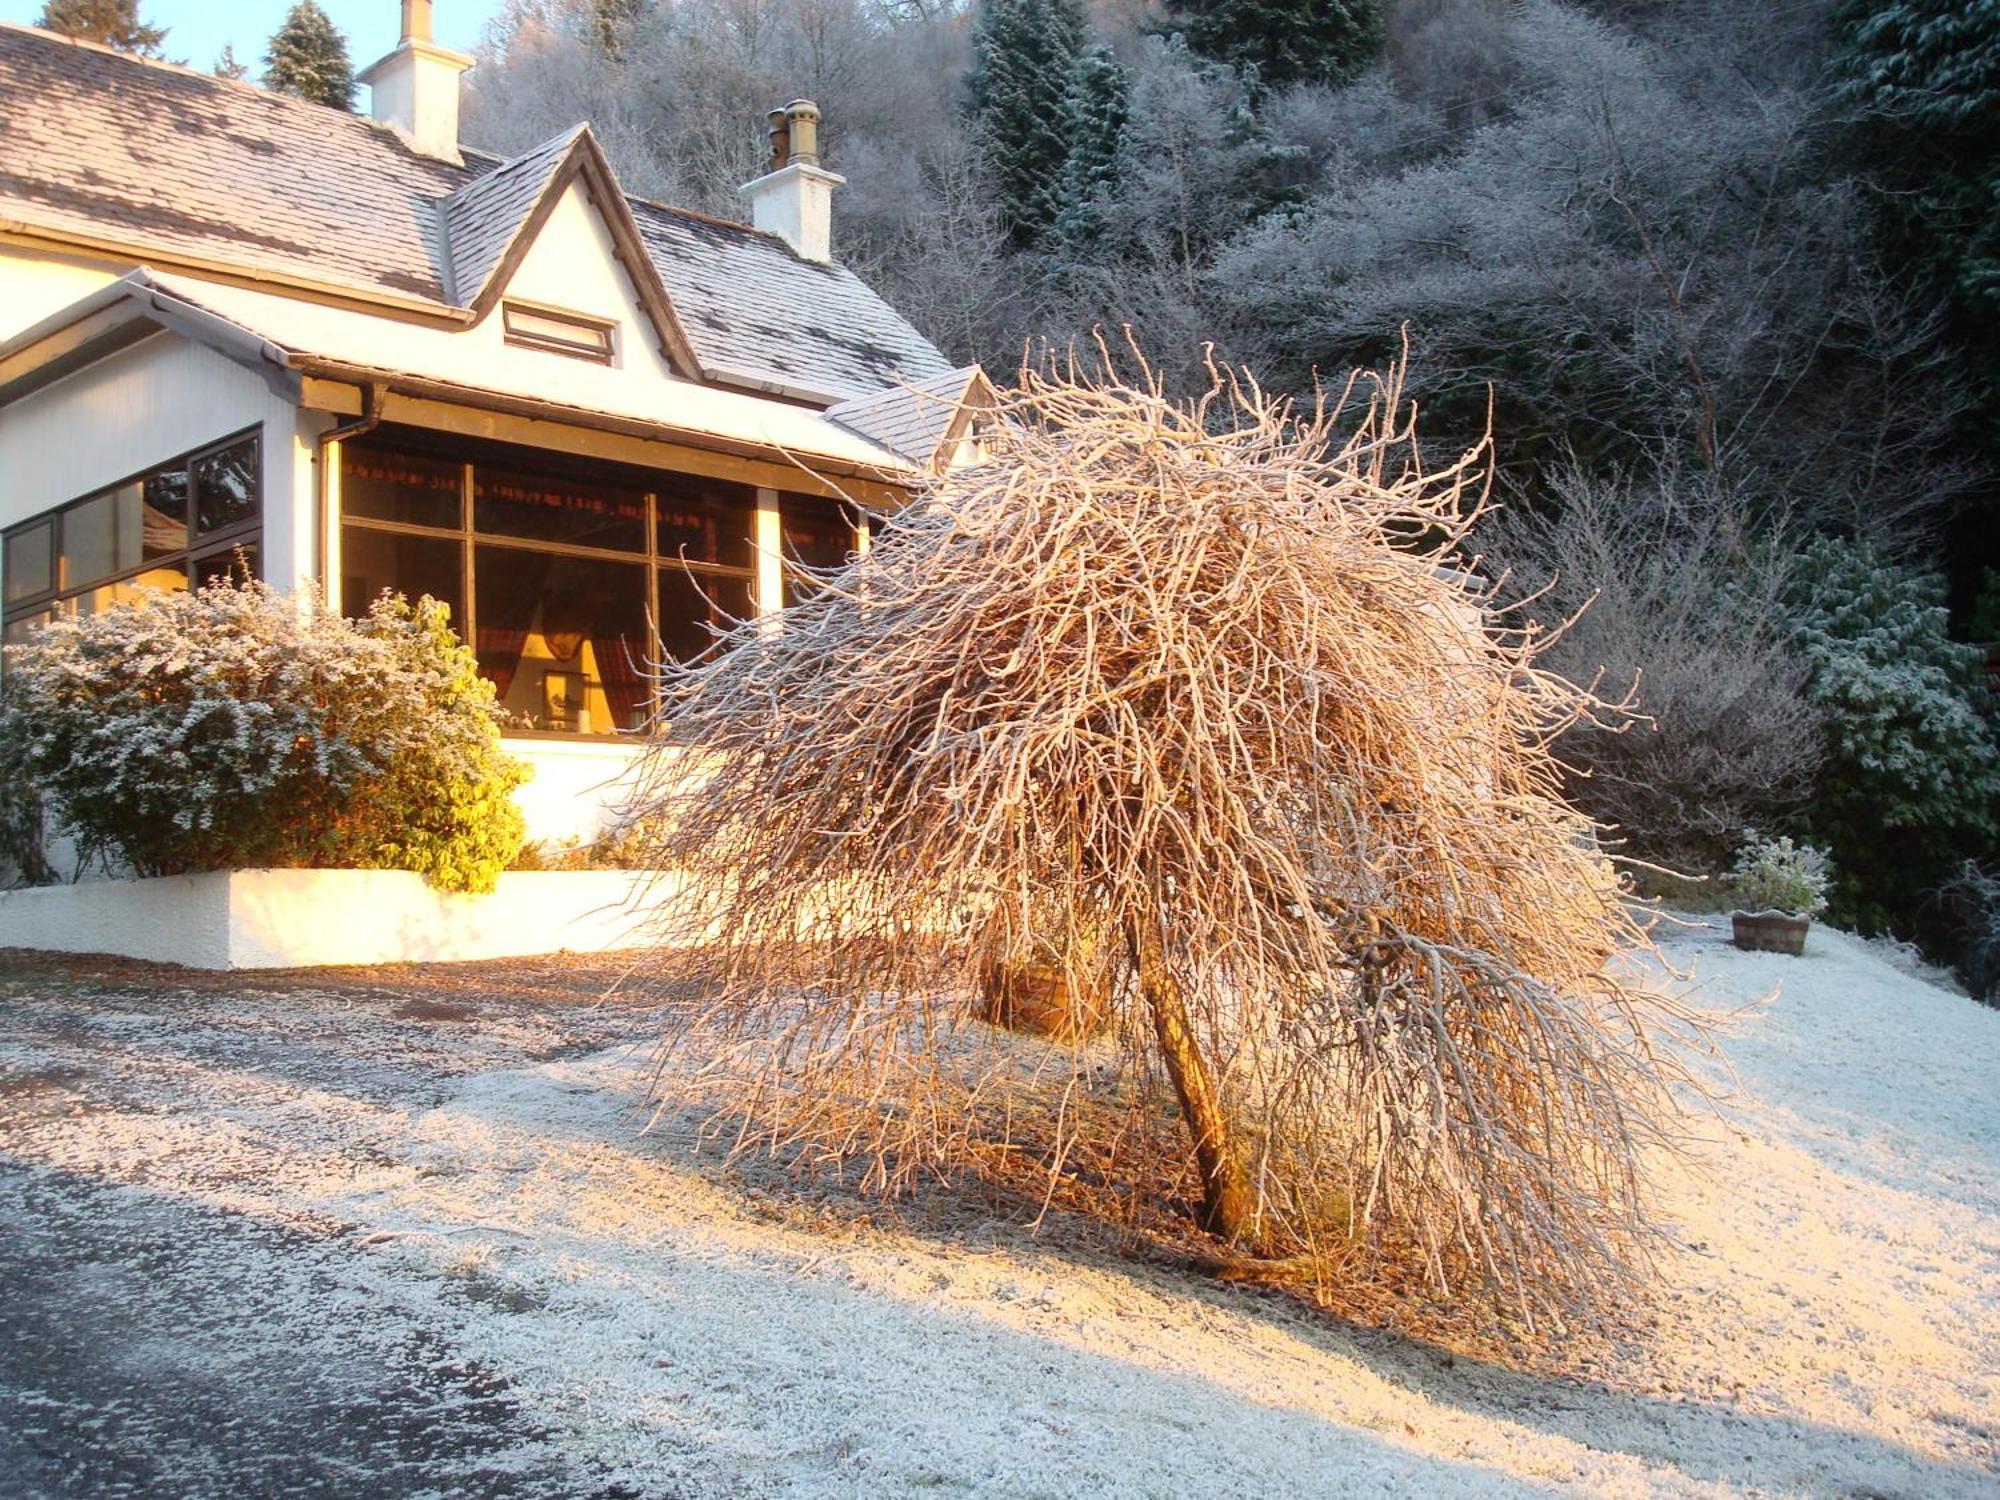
[143, 405]
[35, 284]
[572, 265]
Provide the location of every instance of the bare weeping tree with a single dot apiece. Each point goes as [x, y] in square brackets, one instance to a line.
[1167, 701]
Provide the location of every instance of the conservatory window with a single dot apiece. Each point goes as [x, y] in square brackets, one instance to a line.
[185, 521]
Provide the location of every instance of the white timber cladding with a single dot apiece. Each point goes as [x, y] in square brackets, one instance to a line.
[144, 405]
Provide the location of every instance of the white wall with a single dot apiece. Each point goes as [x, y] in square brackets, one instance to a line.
[34, 285]
[576, 787]
[573, 265]
[283, 919]
[142, 406]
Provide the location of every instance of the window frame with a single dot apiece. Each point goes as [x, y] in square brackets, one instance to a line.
[196, 547]
[468, 455]
[596, 341]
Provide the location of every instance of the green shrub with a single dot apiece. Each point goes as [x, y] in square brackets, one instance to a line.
[239, 728]
[1779, 875]
[1912, 773]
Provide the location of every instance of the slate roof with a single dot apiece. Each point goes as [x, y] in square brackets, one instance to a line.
[479, 220]
[911, 420]
[99, 146]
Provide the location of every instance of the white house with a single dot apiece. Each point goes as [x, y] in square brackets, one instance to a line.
[364, 356]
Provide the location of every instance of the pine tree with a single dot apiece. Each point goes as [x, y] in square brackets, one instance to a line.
[1098, 105]
[1286, 41]
[308, 58]
[227, 66]
[115, 23]
[1024, 56]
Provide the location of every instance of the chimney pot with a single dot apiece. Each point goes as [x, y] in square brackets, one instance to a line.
[794, 198]
[416, 20]
[802, 130]
[781, 139]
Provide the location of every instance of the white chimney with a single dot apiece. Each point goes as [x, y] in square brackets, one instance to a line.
[794, 200]
[415, 88]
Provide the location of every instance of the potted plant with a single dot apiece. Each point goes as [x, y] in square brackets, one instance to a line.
[1779, 888]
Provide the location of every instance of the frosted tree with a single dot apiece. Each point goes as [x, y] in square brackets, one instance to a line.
[1286, 41]
[308, 59]
[115, 23]
[1156, 726]
[1098, 106]
[1024, 57]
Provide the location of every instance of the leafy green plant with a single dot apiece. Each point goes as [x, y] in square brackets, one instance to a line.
[1911, 778]
[236, 727]
[1776, 874]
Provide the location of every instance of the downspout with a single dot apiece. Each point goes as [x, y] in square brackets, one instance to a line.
[373, 395]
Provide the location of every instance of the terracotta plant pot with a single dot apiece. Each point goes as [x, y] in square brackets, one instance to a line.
[1770, 932]
[1038, 1000]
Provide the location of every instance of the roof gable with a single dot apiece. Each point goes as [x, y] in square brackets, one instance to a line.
[923, 421]
[491, 224]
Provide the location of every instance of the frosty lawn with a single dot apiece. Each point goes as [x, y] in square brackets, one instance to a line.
[291, 1233]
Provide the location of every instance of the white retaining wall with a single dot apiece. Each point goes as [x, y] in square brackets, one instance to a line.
[284, 919]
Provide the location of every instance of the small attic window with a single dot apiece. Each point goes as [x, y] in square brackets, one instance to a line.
[557, 332]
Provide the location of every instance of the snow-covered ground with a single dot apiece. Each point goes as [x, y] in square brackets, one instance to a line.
[340, 1236]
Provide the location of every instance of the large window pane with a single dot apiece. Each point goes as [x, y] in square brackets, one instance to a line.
[17, 632]
[225, 487]
[819, 533]
[693, 608]
[409, 487]
[563, 639]
[238, 564]
[373, 563]
[29, 563]
[709, 521]
[90, 539]
[165, 493]
[558, 508]
[97, 600]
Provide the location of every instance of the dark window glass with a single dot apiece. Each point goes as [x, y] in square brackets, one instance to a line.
[376, 562]
[238, 565]
[818, 533]
[389, 486]
[17, 631]
[709, 521]
[558, 508]
[90, 541]
[693, 607]
[165, 494]
[225, 487]
[29, 563]
[563, 639]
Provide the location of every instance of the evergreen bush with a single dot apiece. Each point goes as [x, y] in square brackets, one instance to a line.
[1912, 772]
[236, 728]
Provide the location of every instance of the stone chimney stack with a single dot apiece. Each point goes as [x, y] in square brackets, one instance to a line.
[415, 88]
[794, 199]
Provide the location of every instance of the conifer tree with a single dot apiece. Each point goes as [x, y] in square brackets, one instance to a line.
[1099, 103]
[115, 23]
[228, 66]
[1286, 41]
[611, 23]
[308, 59]
[1024, 57]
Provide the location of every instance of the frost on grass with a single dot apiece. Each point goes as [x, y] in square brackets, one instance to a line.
[1171, 706]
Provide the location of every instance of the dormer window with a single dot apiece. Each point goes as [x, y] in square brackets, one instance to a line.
[555, 331]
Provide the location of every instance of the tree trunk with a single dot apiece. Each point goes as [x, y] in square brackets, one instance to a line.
[1226, 1196]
